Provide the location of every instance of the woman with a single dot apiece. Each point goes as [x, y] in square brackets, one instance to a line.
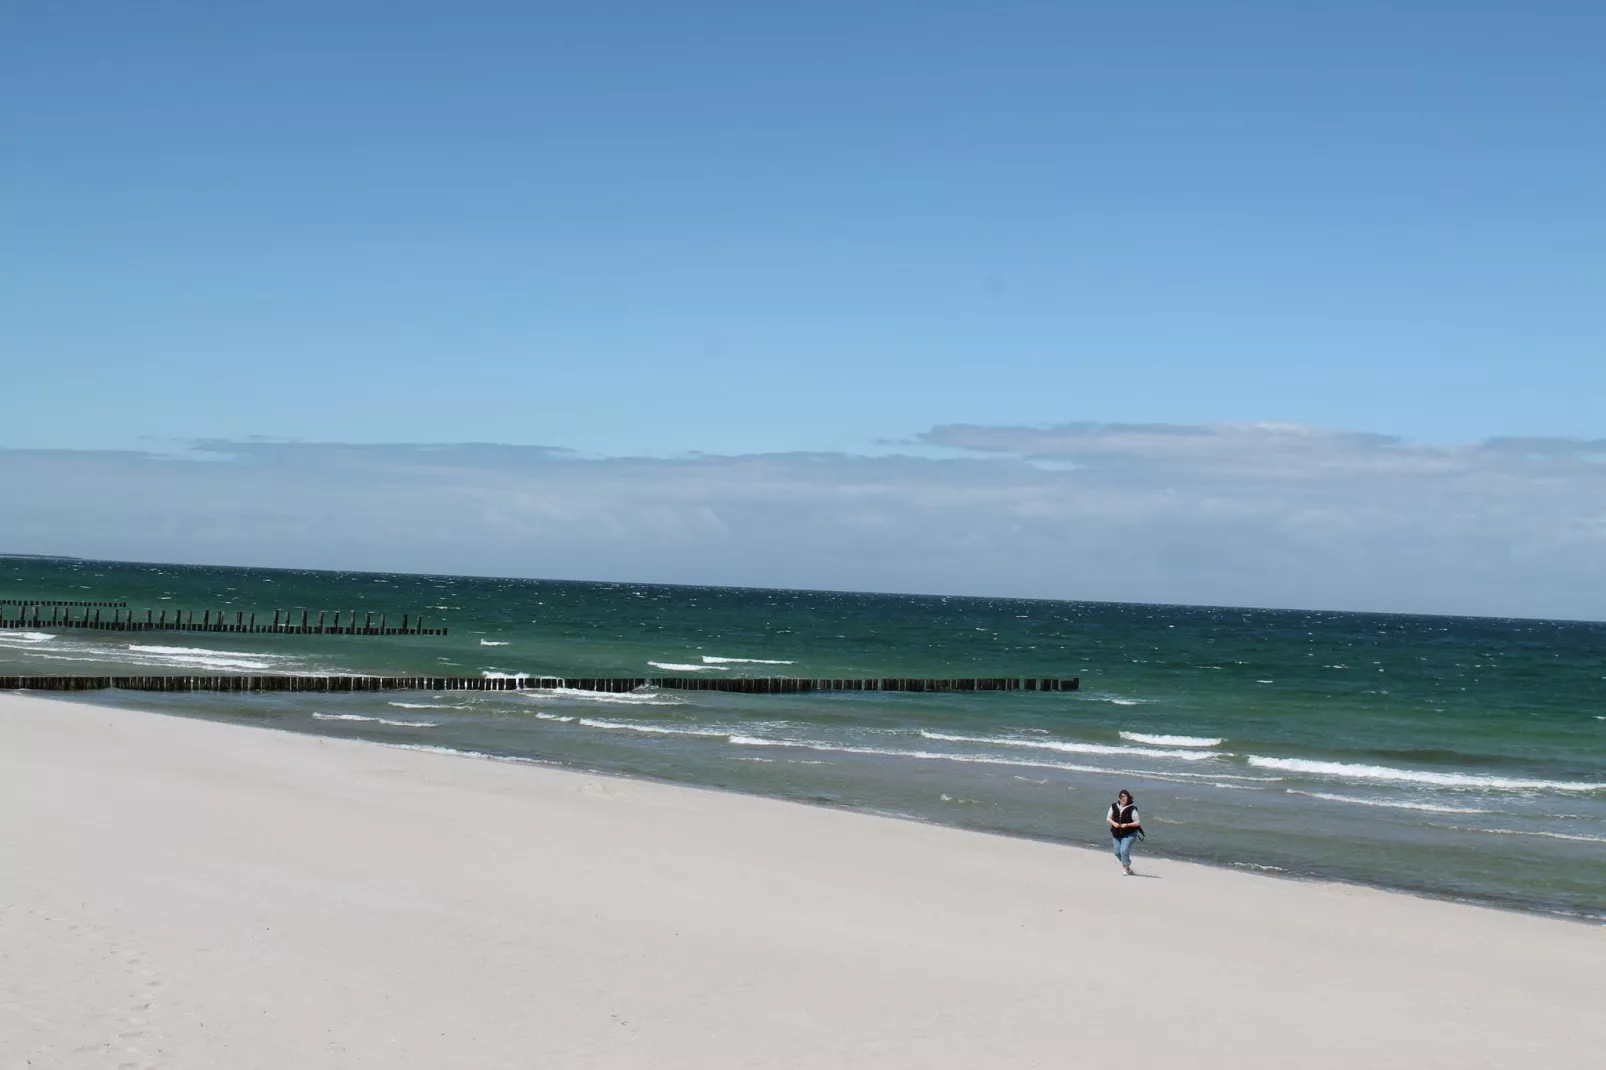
[1124, 827]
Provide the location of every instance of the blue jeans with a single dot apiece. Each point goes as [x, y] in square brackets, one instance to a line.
[1123, 848]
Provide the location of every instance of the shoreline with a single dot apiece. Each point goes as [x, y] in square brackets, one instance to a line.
[1597, 920]
[180, 893]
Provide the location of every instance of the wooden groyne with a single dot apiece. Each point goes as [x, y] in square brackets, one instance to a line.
[50, 602]
[284, 622]
[752, 685]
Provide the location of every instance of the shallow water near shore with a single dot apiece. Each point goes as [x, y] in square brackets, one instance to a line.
[1459, 757]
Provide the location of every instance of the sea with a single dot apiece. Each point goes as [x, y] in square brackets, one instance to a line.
[1456, 757]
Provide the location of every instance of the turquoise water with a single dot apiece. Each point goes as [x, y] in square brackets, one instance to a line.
[1460, 757]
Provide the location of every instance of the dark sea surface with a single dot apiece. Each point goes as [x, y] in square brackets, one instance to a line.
[1459, 757]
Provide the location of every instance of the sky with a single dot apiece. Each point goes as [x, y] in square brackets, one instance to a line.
[1246, 303]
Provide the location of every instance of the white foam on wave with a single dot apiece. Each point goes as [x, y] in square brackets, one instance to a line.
[375, 720]
[1072, 748]
[709, 659]
[540, 716]
[187, 650]
[620, 698]
[423, 706]
[1432, 808]
[202, 658]
[676, 667]
[495, 674]
[1172, 741]
[491, 642]
[455, 752]
[654, 729]
[926, 755]
[1546, 835]
[1353, 771]
[29, 638]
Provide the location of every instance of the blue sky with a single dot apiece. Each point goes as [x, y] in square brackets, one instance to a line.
[639, 229]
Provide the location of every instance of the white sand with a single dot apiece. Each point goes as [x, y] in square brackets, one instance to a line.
[182, 894]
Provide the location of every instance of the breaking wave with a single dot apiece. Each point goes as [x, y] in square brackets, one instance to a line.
[1353, 771]
[375, 720]
[622, 698]
[1432, 808]
[1071, 748]
[1172, 741]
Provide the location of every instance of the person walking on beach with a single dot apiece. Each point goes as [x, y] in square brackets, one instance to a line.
[1124, 827]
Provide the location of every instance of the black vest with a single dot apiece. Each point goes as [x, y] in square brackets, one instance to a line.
[1121, 815]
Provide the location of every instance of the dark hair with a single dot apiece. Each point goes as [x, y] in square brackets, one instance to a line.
[1130, 798]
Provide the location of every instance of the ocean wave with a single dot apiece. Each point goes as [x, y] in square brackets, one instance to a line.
[201, 657]
[423, 706]
[1432, 808]
[676, 667]
[561, 718]
[1172, 741]
[1072, 748]
[622, 698]
[941, 756]
[494, 674]
[490, 642]
[1351, 771]
[456, 752]
[198, 657]
[1546, 835]
[654, 729]
[375, 720]
[25, 637]
[184, 651]
[709, 659]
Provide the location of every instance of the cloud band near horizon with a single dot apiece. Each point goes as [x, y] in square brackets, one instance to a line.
[1264, 514]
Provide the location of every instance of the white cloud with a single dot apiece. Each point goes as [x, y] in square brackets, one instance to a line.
[1239, 514]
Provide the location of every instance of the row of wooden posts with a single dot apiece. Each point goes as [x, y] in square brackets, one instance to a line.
[49, 602]
[760, 685]
[284, 621]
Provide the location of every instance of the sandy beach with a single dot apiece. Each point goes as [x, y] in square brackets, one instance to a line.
[178, 893]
